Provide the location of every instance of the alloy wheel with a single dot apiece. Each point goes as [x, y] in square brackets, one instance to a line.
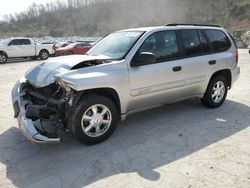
[218, 91]
[96, 120]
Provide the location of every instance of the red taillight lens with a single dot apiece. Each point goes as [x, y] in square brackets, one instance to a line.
[237, 56]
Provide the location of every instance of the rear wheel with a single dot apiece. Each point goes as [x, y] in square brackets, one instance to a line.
[216, 92]
[44, 54]
[3, 58]
[94, 120]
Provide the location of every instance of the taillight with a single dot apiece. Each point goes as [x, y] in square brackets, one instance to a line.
[237, 56]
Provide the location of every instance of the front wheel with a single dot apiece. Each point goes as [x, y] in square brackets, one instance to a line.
[44, 54]
[94, 120]
[216, 92]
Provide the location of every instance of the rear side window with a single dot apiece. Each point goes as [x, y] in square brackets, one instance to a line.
[219, 40]
[192, 44]
[162, 44]
[25, 42]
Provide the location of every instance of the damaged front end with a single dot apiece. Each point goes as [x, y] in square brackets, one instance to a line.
[43, 102]
[40, 111]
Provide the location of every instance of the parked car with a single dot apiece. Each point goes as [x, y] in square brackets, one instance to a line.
[23, 48]
[61, 45]
[73, 48]
[125, 72]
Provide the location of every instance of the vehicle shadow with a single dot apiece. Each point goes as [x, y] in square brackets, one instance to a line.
[144, 142]
[20, 60]
[23, 60]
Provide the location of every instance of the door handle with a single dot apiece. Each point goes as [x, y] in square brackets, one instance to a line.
[212, 62]
[177, 69]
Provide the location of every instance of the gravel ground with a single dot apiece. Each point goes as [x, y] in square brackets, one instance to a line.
[179, 145]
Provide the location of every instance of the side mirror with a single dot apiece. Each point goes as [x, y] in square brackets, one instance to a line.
[10, 44]
[144, 58]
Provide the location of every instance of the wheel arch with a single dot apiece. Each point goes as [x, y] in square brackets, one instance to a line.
[44, 50]
[106, 92]
[1, 51]
[226, 73]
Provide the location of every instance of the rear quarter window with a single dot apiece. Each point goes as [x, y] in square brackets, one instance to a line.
[219, 40]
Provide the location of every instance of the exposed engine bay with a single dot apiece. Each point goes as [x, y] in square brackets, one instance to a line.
[46, 105]
[44, 100]
[89, 63]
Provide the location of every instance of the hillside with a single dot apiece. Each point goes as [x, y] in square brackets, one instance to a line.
[99, 17]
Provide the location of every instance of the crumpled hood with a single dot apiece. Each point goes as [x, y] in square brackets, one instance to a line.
[44, 74]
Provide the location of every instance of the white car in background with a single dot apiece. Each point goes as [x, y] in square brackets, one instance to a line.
[23, 48]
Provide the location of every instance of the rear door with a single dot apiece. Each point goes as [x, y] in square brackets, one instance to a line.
[27, 48]
[220, 45]
[198, 64]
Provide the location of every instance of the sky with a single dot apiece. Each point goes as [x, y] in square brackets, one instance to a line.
[13, 6]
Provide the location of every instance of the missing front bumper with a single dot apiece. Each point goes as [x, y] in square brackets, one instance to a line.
[25, 124]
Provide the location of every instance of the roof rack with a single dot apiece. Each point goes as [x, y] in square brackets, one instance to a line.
[174, 24]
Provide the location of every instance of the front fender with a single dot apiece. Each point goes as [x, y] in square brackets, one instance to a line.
[116, 80]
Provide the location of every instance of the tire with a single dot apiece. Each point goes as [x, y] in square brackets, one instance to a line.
[44, 54]
[84, 122]
[3, 58]
[216, 92]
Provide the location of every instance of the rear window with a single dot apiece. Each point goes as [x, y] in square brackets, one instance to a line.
[192, 42]
[219, 40]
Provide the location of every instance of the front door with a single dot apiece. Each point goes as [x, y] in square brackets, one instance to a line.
[20, 48]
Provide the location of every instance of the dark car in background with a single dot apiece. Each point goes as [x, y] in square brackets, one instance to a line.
[73, 48]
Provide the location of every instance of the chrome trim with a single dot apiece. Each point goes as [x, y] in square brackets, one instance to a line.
[25, 124]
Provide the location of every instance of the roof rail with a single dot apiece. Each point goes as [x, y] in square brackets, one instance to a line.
[175, 24]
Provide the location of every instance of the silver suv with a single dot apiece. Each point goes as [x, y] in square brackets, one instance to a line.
[127, 71]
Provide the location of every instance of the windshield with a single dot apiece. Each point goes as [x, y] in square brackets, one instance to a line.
[4, 42]
[116, 45]
[72, 45]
